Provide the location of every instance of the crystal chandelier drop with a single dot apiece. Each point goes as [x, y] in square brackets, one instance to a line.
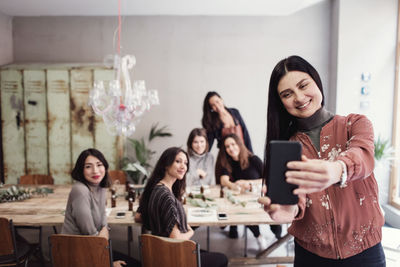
[119, 103]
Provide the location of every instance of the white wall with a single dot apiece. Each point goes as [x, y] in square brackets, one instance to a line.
[184, 57]
[367, 43]
[6, 40]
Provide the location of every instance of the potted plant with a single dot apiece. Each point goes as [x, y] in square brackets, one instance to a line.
[140, 167]
[383, 151]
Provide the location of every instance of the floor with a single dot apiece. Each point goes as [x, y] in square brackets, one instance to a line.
[219, 242]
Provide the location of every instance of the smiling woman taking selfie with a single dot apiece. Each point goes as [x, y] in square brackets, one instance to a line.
[337, 221]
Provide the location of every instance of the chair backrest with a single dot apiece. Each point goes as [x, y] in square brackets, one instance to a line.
[117, 175]
[36, 179]
[168, 252]
[80, 251]
[7, 244]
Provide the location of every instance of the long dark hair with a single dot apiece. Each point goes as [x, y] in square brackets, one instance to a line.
[280, 124]
[77, 172]
[166, 159]
[196, 132]
[226, 161]
[210, 121]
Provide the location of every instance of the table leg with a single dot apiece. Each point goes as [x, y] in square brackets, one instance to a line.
[208, 238]
[130, 239]
[273, 246]
[245, 241]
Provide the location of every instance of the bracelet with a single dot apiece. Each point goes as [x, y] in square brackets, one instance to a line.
[343, 177]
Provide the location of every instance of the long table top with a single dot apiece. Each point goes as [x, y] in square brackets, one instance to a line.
[49, 210]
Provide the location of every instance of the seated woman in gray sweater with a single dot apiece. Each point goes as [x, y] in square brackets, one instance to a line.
[85, 213]
[201, 161]
[160, 207]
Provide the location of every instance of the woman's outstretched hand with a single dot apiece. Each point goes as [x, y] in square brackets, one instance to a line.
[279, 213]
[313, 175]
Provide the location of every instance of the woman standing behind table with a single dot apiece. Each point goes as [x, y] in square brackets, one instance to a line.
[201, 161]
[85, 213]
[160, 207]
[240, 164]
[220, 121]
[337, 221]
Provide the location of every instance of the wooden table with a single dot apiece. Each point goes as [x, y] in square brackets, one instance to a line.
[49, 211]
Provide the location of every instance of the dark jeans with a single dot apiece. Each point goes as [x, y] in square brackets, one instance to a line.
[371, 257]
[213, 259]
[253, 228]
[276, 229]
[129, 260]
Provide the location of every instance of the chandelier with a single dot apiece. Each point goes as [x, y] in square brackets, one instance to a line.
[120, 103]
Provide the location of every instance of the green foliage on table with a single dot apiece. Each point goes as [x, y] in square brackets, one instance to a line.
[18, 193]
[201, 196]
[234, 200]
[139, 168]
[199, 203]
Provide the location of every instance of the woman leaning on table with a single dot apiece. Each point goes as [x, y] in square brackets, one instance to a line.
[160, 207]
[337, 221]
[239, 168]
[85, 213]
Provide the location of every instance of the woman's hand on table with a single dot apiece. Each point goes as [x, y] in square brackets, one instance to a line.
[244, 185]
[104, 232]
[119, 263]
[279, 213]
[313, 175]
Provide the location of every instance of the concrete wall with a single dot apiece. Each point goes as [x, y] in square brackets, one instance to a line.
[6, 39]
[184, 57]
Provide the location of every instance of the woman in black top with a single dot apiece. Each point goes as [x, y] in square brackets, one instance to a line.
[239, 168]
[160, 208]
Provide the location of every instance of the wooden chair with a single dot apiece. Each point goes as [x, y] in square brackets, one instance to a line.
[117, 175]
[14, 251]
[168, 252]
[80, 251]
[36, 179]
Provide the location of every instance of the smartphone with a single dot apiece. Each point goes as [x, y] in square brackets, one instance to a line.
[279, 154]
[222, 216]
[120, 215]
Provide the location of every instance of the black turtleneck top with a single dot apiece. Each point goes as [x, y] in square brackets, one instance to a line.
[312, 125]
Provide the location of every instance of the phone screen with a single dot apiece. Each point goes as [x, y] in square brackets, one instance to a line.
[279, 154]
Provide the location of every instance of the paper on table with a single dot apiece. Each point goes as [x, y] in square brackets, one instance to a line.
[108, 211]
[202, 215]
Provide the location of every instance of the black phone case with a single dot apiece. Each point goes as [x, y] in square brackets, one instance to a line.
[279, 154]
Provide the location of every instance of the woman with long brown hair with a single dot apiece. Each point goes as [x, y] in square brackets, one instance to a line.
[240, 168]
[160, 207]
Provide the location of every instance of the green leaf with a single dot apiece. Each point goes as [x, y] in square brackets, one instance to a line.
[158, 132]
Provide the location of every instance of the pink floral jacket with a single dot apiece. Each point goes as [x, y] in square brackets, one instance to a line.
[338, 222]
